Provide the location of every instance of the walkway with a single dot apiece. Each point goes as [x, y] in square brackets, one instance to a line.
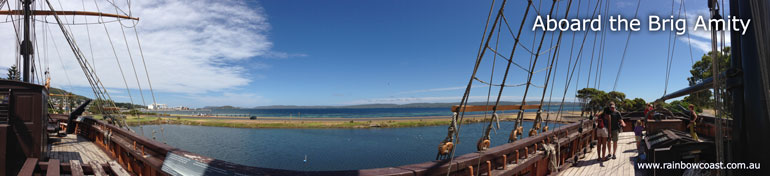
[74, 147]
[622, 165]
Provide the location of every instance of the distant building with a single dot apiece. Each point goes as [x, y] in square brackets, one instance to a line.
[181, 108]
[157, 106]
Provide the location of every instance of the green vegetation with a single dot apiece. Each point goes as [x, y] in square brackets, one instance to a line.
[595, 100]
[13, 73]
[702, 70]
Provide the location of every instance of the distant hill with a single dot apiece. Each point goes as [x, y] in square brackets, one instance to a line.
[75, 97]
[55, 92]
[410, 105]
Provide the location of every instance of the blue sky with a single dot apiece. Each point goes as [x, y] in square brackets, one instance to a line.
[358, 52]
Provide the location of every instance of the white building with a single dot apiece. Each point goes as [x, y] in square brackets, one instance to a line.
[157, 106]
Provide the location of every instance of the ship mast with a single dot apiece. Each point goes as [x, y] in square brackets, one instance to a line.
[26, 45]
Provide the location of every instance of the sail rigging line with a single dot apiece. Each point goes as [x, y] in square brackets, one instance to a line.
[555, 67]
[520, 116]
[56, 47]
[600, 65]
[146, 73]
[578, 62]
[463, 102]
[117, 60]
[131, 57]
[509, 60]
[689, 43]
[569, 80]
[668, 51]
[129, 14]
[141, 53]
[534, 40]
[454, 128]
[673, 48]
[489, 94]
[591, 64]
[79, 57]
[623, 57]
[91, 76]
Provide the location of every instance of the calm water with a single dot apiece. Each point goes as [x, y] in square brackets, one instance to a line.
[326, 149]
[346, 112]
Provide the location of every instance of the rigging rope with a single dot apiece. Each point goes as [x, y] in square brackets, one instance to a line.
[455, 127]
[556, 66]
[567, 84]
[623, 57]
[520, 116]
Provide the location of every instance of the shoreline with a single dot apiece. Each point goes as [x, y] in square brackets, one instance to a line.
[368, 122]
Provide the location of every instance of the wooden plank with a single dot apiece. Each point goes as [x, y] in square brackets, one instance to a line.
[117, 169]
[29, 167]
[76, 168]
[53, 168]
[473, 108]
[98, 170]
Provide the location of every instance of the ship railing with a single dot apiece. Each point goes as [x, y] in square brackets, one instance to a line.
[143, 156]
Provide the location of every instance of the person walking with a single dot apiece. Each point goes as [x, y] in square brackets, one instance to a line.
[601, 133]
[615, 126]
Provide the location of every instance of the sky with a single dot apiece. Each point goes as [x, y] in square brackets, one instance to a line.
[303, 52]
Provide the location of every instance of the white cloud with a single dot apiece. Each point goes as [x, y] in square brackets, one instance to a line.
[701, 39]
[190, 46]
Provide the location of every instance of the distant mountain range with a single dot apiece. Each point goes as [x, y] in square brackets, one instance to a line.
[410, 105]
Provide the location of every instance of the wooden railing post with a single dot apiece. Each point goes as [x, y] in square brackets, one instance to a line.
[470, 171]
[517, 157]
[505, 161]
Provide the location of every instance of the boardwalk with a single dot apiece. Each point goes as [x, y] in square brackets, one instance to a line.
[75, 147]
[622, 165]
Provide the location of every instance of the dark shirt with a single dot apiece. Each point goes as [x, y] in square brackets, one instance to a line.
[615, 118]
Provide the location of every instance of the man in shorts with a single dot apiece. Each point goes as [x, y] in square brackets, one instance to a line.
[616, 125]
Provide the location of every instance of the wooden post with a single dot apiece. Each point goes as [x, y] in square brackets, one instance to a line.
[526, 152]
[470, 170]
[517, 157]
[505, 161]
[489, 168]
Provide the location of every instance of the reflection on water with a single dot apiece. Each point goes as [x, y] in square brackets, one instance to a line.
[326, 149]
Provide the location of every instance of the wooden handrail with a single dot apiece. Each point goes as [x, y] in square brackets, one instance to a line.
[48, 12]
[124, 139]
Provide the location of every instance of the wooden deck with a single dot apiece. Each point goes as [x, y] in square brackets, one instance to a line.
[74, 147]
[624, 164]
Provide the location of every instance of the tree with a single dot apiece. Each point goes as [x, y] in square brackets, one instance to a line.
[639, 104]
[700, 71]
[13, 73]
[586, 96]
[615, 96]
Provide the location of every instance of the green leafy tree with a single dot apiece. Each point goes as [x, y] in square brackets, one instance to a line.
[700, 71]
[586, 96]
[639, 105]
[13, 73]
[615, 96]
